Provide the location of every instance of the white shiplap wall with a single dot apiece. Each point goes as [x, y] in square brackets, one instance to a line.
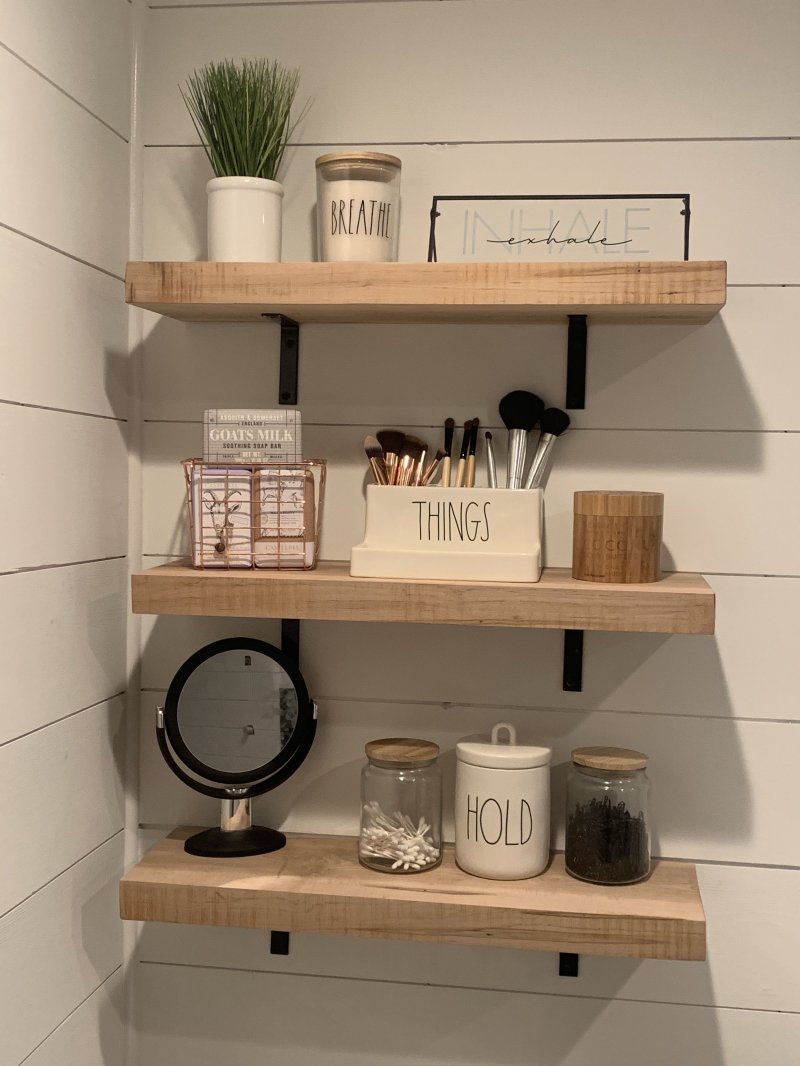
[64, 207]
[509, 96]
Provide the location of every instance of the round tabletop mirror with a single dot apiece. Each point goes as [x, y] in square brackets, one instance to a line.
[237, 721]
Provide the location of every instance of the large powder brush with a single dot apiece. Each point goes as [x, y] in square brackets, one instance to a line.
[552, 424]
[520, 412]
[391, 440]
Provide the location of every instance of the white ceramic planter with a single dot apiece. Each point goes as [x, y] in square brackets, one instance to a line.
[502, 806]
[244, 220]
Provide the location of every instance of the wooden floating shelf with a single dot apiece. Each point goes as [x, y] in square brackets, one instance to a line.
[679, 603]
[429, 292]
[316, 885]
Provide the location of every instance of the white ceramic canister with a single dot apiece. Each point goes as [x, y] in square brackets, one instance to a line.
[502, 806]
[245, 217]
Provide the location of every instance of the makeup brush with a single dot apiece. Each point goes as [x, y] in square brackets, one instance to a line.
[491, 469]
[413, 451]
[552, 423]
[473, 447]
[449, 426]
[520, 412]
[375, 455]
[462, 459]
[432, 467]
[391, 440]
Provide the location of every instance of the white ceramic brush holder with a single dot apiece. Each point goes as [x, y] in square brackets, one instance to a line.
[476, 534]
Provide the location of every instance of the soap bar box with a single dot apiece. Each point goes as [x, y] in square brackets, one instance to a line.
[476, 534]
[238, 436]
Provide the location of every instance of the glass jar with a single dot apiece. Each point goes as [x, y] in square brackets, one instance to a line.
[401, 806]
[358, 204]
[607, 833]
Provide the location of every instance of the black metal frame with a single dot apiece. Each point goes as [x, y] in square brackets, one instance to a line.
[261, 778]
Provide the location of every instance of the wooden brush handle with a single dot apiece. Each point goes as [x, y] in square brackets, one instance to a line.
[446, 471]
[460, 471]
[470, 481]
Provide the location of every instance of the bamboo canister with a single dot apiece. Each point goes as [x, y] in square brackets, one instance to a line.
[616, 536]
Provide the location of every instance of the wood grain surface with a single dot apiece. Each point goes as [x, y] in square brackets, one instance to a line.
[315, 884]
[428, 292]
[679, 603]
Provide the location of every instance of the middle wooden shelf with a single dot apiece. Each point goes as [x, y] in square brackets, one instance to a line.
[678, 603]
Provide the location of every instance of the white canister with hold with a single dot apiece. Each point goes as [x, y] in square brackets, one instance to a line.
[502, 806]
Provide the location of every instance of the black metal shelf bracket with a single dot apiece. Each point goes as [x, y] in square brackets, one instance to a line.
[568, 964]
[576, 362]
[278, 943]
[572, 678]
[290, 354]
[290, 643]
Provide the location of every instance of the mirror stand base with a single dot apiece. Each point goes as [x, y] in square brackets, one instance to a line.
[236, 843]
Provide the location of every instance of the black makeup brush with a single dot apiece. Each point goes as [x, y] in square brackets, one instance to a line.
[520, 412]
[376, 461]
[391, 440]
[491, 469]
[462, 459]
[473, 447]
[552, 423]
[449, 426]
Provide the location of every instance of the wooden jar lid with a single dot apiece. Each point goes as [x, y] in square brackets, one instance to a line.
[610, 758]
[402, 751]
[359, 157]
[610, 502]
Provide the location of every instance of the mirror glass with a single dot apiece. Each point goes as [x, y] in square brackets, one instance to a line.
[237, 711]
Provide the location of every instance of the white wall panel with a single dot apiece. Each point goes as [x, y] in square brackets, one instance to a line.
[66, 478]
[742, 819]
[84, 47]
[93, 1035]
[498, 71]
[56, 949]
[66, 648]
[753, 958]
[195, 1017]
[737, 372]
[65, 331]
[719, 494]
[62, 797]
[730, 182]
[66, 181]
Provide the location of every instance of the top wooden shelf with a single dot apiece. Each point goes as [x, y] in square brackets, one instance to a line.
[429, 292]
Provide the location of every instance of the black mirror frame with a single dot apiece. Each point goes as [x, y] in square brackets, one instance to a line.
[262, 778]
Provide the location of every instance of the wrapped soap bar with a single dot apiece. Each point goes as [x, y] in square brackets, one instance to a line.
[221, 509]
[234, 436]
[284, 520]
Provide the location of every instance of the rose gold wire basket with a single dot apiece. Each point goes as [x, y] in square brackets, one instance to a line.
[266, 516]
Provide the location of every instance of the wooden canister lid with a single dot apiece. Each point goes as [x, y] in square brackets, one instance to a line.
[610, 758]
[402, 751]
[359, 157]
[610, 502]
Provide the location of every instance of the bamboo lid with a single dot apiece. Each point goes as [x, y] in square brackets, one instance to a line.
[359, 157]
[611, 502]
[402, 751]
[610, 758]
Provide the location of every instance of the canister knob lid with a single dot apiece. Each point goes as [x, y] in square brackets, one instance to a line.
[501, 754]
[610, 758]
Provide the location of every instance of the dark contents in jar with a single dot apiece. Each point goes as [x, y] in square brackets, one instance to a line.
[607, 844]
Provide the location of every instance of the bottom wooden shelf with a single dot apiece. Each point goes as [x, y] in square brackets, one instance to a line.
[315, 884]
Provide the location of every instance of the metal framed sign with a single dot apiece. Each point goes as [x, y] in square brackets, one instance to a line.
[540, 229]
